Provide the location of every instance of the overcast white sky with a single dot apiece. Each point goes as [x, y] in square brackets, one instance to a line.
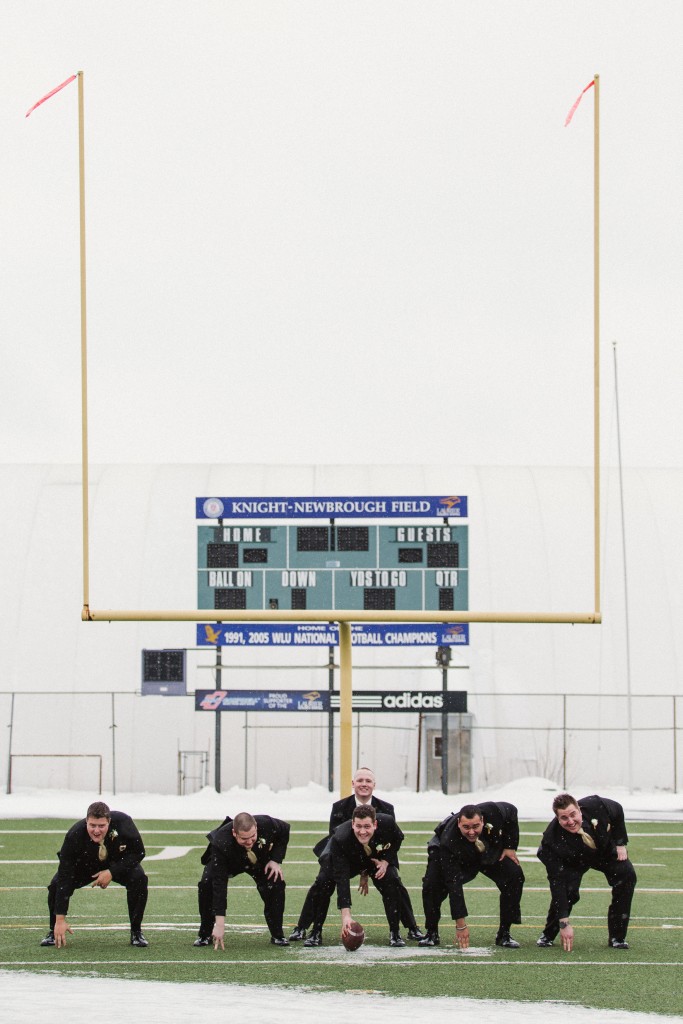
[340, 232]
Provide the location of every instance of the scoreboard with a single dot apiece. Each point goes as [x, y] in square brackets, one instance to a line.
[375, 567]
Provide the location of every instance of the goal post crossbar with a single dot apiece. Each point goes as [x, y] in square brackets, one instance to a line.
[331, 615]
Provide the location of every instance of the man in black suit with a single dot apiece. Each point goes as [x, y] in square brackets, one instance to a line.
[363, 785]
[103, 847]
[586, 833]
[368, 844]
[253, 844]
[479, 838]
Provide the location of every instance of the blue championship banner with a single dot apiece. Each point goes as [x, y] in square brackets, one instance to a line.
[286, 634]
[341, 507]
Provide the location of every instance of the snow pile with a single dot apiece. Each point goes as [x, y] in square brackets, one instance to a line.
[532, 796]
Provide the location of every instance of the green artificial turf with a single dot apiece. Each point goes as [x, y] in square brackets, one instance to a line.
[646, 977]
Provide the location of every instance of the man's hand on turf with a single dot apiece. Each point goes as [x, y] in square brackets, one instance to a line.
[218, 933]
[60, 930]
[462, 934]
[567, 936]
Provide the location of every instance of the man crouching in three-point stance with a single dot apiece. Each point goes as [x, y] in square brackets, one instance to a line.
[367, 844]
[480, 837]
[103, 847]
[256, 845]
[586, 833]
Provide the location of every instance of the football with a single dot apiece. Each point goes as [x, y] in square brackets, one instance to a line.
[355, 937]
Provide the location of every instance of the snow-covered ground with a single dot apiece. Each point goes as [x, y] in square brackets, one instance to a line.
[29, 997]
[26, 997]
[532, 797]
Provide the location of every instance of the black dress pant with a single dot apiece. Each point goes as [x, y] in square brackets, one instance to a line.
[307, 915]
[621, 876]
[505, 874]
[388, 888]
[134, 881]
[271, 892]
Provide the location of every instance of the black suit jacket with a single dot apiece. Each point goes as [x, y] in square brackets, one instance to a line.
[344, 857]
[460, 860]
[342, 810]
[500, 832]
[226, 858]
[566, 856]
[79, 855]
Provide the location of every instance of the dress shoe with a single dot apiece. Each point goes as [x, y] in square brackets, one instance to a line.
[618, 944]
[49, 939]
[396, 940]
[415, 934]
[202, 941]
[297, 934]
[314, 939]
[503, 938]
[430, 939]
[543, 941]
[278, 940]
[138, 939]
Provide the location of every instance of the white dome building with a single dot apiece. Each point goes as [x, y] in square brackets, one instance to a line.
[575, 703]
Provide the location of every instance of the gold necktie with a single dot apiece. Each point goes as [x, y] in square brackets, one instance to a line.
[102, 852]
[588, 840]
[481, 846]
[251, 856]
[367, 849]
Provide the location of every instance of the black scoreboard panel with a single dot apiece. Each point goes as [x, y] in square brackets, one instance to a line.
[165, 666]
[332, 547]
[402, 568]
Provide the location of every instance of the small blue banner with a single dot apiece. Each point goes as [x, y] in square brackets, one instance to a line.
[262, 700]
[288, 634]
[392, 507]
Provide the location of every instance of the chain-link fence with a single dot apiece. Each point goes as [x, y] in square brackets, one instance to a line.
[137, 744]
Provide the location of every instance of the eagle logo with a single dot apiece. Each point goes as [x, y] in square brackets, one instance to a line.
[212, 635]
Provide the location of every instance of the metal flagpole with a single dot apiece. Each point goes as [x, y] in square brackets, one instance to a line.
[596, 340]
[84, 349]
[629, 719]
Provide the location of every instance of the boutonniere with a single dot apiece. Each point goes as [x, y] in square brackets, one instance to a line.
[113, 834]
[489, 827]
[261, 842]
[594, 822]
[383, 846]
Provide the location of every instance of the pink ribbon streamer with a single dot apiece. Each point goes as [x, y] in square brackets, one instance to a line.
[573, 110]
[50, 94]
